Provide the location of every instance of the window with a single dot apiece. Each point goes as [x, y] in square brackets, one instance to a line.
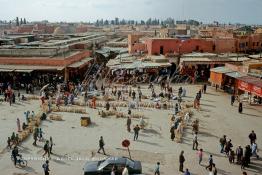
[108, 168]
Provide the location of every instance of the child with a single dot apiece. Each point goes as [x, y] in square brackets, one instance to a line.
[200, 156]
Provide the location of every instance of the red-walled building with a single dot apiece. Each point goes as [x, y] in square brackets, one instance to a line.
[156, 46]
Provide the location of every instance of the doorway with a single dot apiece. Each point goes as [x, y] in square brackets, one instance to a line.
[161, 50]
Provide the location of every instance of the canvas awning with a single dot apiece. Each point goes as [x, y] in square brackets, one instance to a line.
[250, 84]
[24, 70]
[6, 70]
[221, 70]
[27, 68]
[234, 74]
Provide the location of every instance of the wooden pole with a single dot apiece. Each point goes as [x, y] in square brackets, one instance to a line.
[129, 152]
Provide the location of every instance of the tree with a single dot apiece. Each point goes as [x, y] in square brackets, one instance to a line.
[106, 22]
[24, 21]
[17, 21]
[97, 23]
[21, 21]
[149, 22]
[116, 21]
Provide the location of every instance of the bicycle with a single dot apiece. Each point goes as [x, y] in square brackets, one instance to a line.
[20, 161]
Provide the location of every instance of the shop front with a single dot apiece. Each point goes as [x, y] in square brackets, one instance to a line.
[252, 87]
[217, 76]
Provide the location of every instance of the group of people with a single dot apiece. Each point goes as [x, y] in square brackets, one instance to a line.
[243, 156]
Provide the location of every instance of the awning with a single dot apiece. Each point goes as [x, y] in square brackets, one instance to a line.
[250, 84]
[27, 68]
[6, 70]
[81, 63]
[234, 74]
[221, 70]
[25, 71]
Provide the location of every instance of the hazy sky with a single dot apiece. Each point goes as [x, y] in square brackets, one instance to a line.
[243, 11]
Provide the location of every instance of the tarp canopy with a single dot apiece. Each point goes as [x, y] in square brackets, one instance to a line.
[6, 70]
[221, 70]
[24, 70]
[234, 74]
[251, 80]
[250, 84]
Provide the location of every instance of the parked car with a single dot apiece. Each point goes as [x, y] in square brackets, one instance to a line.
[104, 167]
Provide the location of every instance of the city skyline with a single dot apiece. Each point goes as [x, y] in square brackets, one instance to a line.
[235, 11]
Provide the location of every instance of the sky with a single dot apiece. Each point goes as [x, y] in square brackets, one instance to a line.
[207, 11]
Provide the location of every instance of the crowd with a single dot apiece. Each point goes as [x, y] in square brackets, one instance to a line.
[69, 91]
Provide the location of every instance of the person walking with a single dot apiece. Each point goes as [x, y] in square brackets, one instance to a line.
[51, 145]
[200, 156]
[15, 154]
[223, 142]
[9, 143]
[35, 135]
[157, 169]
[133, 95]
[45, 166]
[240, 107]
[18, 125]
[228, 147]
[19, 95]
[181, 161]
[232, 99]
[247, 155]
[205, 88]
[252, 137]
[239, 153]
[210, 162]
[254, 150]
[101, 145]
[136, 132]
[41, 134]
[128, 124]
[195, 142]
[172, 132]
[46, 149]
[231, 157]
